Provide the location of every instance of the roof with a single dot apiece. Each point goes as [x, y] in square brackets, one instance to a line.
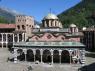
[72, 25]
[44, 43]
[51, 16]
[39, 30]
[74, 34]
[7, 26]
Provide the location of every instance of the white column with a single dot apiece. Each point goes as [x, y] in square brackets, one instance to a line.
[22, 37]
[2, 40]
[25, 52]
[34, 51]
[60, 51]
[49, 23]
[83, 57]
[18, 37]
[51, 55]
[13, 38]
[6, 40]
[15, 55]
[41, 51]
[70, 51]
[45, 23]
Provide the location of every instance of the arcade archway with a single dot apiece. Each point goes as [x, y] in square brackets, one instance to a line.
[56, 56]
[65, 56]
[46, 56]
[30, 55]
[21, 55]
[38, 55]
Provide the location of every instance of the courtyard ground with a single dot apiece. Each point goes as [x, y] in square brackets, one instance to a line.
[23, 66]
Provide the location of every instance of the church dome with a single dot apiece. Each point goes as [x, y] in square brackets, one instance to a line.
[37, 26]
[51, 16]
[72, 25]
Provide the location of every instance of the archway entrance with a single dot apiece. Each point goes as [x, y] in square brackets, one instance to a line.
[38, 55]
[30, 55]
[21, 55]
[65, 57]
[46, 56]
[56, 56]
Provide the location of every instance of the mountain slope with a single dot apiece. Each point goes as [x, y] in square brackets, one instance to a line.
[83, 14]
[7, 15]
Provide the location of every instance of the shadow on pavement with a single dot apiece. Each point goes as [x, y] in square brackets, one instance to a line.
[90, 55]
[90, 67]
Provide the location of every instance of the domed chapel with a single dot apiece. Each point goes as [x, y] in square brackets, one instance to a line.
[50, 43]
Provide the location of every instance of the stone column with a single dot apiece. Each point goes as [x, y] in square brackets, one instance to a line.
[83, 57]
[22, 37]
[25, 52]
[15, 55]
[60, 51]
[13, 38]
[70, 51]
[6, 40]
[53, 23]
[34, 52]
[49, 23]
[2, 40]
[51, 55]
[17, 37]
[45, 23]
[41, 51]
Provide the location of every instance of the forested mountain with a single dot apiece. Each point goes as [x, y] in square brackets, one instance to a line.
[83, 14]
[7, 15]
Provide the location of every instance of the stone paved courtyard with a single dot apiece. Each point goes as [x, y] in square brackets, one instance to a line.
[22, 66]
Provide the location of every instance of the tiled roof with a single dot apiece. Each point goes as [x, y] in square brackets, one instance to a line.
[7, 26]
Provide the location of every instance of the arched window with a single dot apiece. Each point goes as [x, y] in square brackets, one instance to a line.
[18, 27]
[23, 27]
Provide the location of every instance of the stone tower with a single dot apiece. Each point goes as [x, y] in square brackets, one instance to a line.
[24, 24]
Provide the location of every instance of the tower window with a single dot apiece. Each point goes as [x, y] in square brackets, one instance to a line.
[23, 27]
[29, 25]
[18, 27]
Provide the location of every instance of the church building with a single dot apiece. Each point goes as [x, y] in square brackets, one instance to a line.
[47, 43]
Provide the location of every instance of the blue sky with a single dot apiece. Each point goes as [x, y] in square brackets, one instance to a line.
[39, 8]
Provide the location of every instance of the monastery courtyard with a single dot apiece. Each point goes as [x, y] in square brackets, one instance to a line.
[23, 66]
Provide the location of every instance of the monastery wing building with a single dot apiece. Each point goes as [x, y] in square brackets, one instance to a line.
[47, 43]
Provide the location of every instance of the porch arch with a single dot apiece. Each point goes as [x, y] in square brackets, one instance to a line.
[21, 55]
[30, 55]
[38, 55]
[56, 56]
[46, 56]
[65, 56]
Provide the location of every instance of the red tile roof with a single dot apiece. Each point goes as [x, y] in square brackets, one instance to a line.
[7, 26]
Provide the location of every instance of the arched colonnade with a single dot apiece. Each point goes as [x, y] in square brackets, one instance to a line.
[49, 55]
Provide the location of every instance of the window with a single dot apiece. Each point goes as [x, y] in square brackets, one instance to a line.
[23, 27]
[18, 27]
[32, 26]
[29, 25]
